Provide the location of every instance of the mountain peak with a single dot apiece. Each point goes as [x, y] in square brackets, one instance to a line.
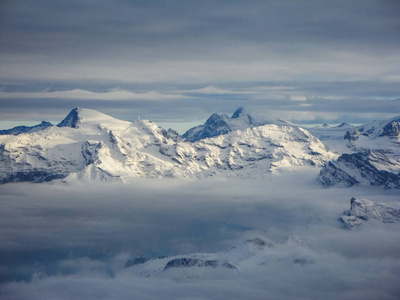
[88, 117]
[71, 120]
[222, 124]
[237, 113]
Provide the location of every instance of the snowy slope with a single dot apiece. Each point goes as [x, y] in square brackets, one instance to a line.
[253, 151]
[89, 144]
[333, 137]
[328, 133]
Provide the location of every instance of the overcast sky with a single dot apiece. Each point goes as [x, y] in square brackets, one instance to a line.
[179, 61]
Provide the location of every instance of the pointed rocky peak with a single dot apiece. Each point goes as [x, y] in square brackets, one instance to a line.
[71, 120]
[89, 118]
[237, 113]
[215, 125]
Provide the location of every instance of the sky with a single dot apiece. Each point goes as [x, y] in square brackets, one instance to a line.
[177, 62]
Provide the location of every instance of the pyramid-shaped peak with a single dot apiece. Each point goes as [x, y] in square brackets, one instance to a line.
[71, 120]
[78, 116]
[237, 113]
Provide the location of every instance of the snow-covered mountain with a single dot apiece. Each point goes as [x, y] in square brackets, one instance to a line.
[362, 210]
[25, 129]
[373, 157]
[89, 144]
[222, 124]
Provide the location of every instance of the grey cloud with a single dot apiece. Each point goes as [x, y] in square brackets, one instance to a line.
[77, 238]
[206, 31]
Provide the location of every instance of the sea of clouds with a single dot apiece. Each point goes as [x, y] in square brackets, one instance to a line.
[72, 240]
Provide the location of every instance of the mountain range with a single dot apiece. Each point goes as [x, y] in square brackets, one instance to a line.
[89, 144]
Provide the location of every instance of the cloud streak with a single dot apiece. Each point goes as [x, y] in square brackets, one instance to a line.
[78, 94]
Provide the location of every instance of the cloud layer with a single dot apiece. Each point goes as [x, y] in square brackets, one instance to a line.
[77, 238]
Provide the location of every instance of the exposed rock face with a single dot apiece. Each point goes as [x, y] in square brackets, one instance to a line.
[368, 168]
[190, 262]
[392, 129]
[71, 120]
[362, 210]
[89, 144]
